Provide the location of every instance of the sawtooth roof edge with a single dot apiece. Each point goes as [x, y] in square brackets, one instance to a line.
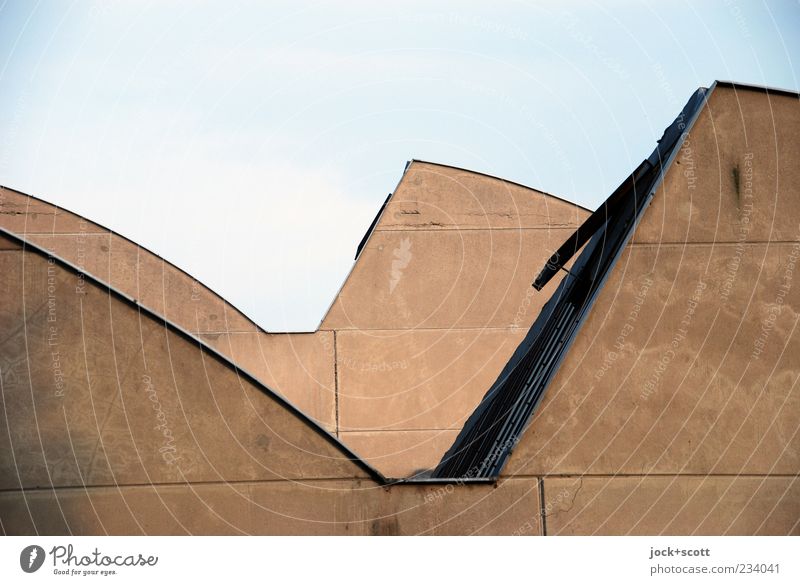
[351, 455]
[490, 434]
[134, 243]
[501, 179]
[371, 229]
[130, 301]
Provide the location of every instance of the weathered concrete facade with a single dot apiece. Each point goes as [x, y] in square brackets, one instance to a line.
[117, 423]
[675, 411]
[439, 298]
[675, 402]
[436, 302]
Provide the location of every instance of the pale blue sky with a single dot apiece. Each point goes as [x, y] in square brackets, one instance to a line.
[251, 143]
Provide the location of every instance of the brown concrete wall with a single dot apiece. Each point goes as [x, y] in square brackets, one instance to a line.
[113, 423]
[439, 299]
[96, 394]
[678, 402]
[672, 505]
[299, 365]
[287, 363]
[675, 411]
[277, 508]
[435, 305]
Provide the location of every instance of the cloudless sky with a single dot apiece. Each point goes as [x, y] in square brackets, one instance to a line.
[252, 143]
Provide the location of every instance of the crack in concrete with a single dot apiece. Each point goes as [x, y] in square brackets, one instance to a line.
[575, 495]
[557, 511]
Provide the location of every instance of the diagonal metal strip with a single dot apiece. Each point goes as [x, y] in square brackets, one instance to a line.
[490, 434]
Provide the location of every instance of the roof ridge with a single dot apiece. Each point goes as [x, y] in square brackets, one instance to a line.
[497, 178]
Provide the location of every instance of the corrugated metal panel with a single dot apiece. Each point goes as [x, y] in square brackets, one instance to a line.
[490, 434]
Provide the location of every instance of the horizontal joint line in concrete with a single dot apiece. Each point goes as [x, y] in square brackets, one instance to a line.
[243, 482]
[255, 482]
[725, 243]
[409, 329]
[85, 234]
[646, 475]
[402, 430]
[250, 331]
[456, 228]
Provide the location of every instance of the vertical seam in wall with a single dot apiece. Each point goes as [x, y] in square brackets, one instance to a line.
[542, 507]
[336, 382]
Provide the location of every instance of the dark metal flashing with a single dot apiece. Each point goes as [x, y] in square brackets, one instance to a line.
[487, 439]
[421, 479]
[612, 206]
[377, 217]
[313, 425]
[762, 88]
[371, 227]
[607, 210]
